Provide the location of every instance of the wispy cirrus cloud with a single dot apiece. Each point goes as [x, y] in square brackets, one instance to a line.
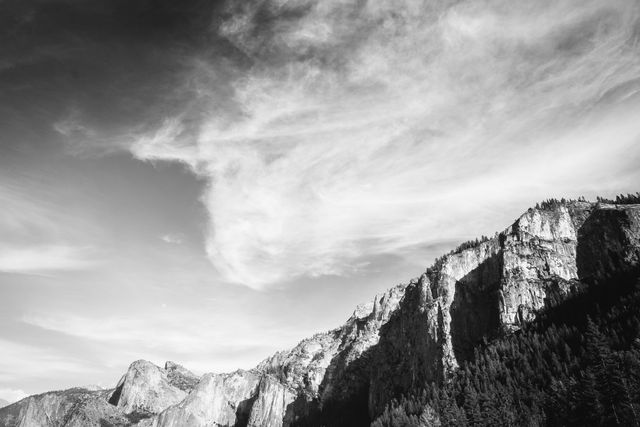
[38, 236]
[22, 362]
[44, 258]
[352, 129]
[368, 128]
[160, 335]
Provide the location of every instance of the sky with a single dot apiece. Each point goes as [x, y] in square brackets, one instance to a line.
[209, 182]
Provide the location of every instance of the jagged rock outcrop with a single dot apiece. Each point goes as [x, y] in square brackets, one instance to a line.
[308, 366]
[405, 338]
[311, 373]
[242, 398]
[181, 377]
[271, 402]
[144, 390]
[147, 388]
[218, 399]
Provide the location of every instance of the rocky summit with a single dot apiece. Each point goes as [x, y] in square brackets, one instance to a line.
[414, 334]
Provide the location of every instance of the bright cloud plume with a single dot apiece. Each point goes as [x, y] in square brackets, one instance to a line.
[364, 128]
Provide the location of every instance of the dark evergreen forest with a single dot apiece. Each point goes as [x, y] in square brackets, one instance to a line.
[578, 364]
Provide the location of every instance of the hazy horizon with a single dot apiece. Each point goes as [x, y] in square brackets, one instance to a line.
[210, 182]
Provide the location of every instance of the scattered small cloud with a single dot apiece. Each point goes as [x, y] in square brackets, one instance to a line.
[173, 238]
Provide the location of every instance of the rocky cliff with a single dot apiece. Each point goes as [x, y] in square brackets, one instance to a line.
[406, 337]
[147, 388]
[290, 385]
[76, 407]
[494, 287]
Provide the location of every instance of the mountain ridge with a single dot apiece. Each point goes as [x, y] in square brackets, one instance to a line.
[412, 334]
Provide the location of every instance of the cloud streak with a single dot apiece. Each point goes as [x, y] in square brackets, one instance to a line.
[44, 258]
[159, 336]
[365, 128]
[39, 363]
[39, 235]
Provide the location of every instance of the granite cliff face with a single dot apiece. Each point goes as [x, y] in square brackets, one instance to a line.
[313, 365]
[496, 286]
[241, 398]
[289, 385]
[146, 388]
[408, 336]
